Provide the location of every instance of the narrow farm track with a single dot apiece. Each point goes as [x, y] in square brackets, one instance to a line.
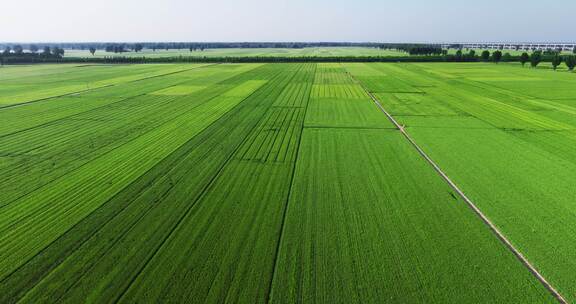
[471, 204]
[249, 160]
[369, 221]
[186, 213]
[191, 123]
[177, 182]
[171, 112]
[286, 206]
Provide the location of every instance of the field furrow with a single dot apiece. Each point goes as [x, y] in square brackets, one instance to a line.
[285, 183]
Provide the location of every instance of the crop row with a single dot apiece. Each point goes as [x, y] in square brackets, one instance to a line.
[252, 183]
[84, 188]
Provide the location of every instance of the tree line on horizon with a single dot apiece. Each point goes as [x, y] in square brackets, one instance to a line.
[17, 53]
[116, 47]
[418, 52]
[201, 45]
[554, 57]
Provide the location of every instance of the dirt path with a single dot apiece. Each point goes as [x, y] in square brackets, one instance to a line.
[470, 204]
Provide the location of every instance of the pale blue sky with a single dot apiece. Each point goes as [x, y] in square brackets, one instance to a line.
[287, 20]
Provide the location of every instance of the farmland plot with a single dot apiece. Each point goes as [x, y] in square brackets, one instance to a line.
[263, 183]
[505, 135]
[369, 221]
[227, 127]
[22, 88]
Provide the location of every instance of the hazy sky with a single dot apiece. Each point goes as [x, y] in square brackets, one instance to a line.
[287, 20]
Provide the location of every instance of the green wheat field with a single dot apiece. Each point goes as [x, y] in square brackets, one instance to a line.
[285, 183]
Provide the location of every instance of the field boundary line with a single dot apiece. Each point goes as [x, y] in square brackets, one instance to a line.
[175, 72]
[104, 204]
[469, 202]
[97, 88]
[200, 196]
[118, 147]
[287, 204]
[69, 116]
[14, 105]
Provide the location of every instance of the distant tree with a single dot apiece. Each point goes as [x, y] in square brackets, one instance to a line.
[535, 58]
[34, 48]
[485, 55]
[57, 52]
[570, 61]
[116, 48]
[46, 51]
[556, 61]
[92, 50]
[497, 56]
[422, 50]
[7, 50]
[472, 53]
[574, 50]
[524, 58]
[507, 57]
[459, 54]
[445, 52]
[138, 47]
[18, 49]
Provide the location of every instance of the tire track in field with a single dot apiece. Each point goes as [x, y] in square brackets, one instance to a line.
[126, 143]
[469, 202]
[98, 88]
[200, 196]
[285, 212]
[98, 107]
[4, 204]
[89, 236]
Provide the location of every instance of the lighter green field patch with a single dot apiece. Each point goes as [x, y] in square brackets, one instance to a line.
[504, 78]
[179, 90]
[32, 95]
[337, 91]
[344, 113]
[245, 88]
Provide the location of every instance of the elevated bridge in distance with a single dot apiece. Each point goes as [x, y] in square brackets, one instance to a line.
[525, 46]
